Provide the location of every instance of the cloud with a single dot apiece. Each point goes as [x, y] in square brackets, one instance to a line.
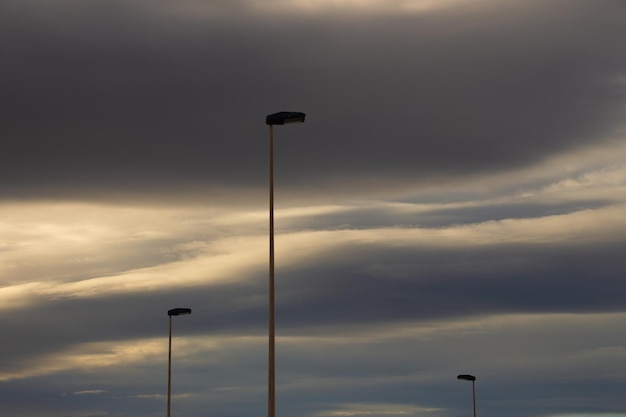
[90, 392]
[453, 203]
[385, 105]
[369, 409]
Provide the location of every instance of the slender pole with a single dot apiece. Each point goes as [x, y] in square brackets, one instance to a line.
[271, 400]
[474, 396]
[169, 370]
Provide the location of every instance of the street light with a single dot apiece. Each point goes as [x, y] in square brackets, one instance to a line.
[466, 377]
[280, 118]
[170, 313]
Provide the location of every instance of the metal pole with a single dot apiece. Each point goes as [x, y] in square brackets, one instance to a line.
[271, 401]
[169, 370]
[474, 396]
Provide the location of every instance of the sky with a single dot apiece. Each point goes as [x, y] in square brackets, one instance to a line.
[454, 203]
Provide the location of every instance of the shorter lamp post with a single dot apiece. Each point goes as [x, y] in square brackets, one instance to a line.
[170, 313]
[466, 377]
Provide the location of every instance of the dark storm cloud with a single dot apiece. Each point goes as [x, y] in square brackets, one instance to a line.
[215, 311]
[424, 284]
[110, 94]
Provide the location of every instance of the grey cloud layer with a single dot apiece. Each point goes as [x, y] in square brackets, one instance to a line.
[103, 96]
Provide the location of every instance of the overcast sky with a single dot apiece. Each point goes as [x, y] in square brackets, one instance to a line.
[454, 203]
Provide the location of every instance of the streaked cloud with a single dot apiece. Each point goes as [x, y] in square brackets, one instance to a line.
[90, 392]
[373, 409]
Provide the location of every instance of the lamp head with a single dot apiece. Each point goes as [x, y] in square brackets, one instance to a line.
[285, 117]
[466, 377]
[178, 312]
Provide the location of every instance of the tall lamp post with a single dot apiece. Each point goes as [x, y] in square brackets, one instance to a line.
[466, 377]
[170, 313]
[280, 118]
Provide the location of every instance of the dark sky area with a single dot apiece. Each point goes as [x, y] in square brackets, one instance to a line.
[454, 203]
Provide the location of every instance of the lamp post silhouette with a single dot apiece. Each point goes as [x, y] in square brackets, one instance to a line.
[279, 118]
[466, 377]
[170, 313]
